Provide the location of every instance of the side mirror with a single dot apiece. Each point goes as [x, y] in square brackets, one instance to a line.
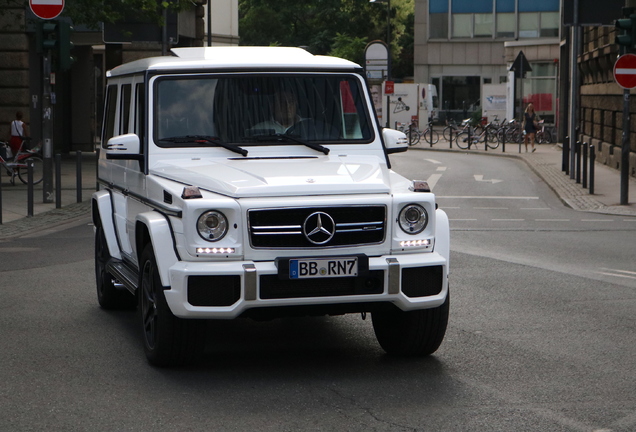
[125, 146]
[394, 141]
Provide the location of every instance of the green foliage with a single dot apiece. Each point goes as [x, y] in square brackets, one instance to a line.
[334, 27]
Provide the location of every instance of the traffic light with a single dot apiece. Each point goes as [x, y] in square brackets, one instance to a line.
[55, 36]
[64, 57]
[628, 37]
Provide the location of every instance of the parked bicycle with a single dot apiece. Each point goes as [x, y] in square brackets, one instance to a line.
[543, 135]
[453, 129]
[414, 135]
[17, 165]
[470, 138]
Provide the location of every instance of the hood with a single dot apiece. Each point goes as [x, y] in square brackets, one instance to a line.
[280, 176]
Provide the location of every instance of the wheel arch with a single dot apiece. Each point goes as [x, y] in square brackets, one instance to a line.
[154, 228]
[442, 236]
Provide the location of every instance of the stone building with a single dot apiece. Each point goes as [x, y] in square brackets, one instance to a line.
[77, 96]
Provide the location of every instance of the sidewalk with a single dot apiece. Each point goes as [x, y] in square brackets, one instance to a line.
[545, 162]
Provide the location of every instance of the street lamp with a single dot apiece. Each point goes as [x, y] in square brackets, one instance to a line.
[388, 33]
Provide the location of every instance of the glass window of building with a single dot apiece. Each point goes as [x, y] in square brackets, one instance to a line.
[506, 25]
[438, 19]
[483, 25]
[549, 24]
[529, 25]
[462, 25]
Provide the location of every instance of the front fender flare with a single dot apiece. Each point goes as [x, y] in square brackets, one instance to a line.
[158, 231]
[442, 236]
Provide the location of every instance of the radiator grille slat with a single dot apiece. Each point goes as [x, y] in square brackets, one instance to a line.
[285, 227]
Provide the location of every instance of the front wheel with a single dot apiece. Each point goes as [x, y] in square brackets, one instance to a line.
[38, 170]
[463, 141]
[108, 295]
[414, 333]
[168, 340]
[431, 137]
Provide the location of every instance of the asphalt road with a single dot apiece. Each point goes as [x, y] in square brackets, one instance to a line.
[537, 341]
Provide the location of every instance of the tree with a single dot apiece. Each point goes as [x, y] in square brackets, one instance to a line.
[334, 27]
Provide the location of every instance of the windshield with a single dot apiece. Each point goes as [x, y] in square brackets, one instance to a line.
[258, 109]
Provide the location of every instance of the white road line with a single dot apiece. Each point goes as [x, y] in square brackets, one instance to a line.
[490, 208]
[432, 180]
[535, 208]
[552, 220]
[597, 220]
[620, 271]
[441, 168]
[507, 220]
[617, 275]
[455, 220]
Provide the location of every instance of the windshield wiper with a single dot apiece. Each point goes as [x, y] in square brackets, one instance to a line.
[205, 139]
[281, 136]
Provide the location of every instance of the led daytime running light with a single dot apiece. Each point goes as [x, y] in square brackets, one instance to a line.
[212, 251]
[415, 243]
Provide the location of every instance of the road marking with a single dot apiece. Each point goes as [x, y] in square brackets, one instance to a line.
[441, 168]
[552, 220]
[480, 178]
[490, 208]
[535, 208]
[507, 220]
[597, 220]
[618, 273]
[432, 180]
[433, 161]
[462, 220]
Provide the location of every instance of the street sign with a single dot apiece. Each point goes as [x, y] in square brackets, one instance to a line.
[520, 66]
[625, 71]
[46, 9]
[389, 87]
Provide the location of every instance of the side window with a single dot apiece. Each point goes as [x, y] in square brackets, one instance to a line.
[124, 110]
[109, 114]
[139, 109]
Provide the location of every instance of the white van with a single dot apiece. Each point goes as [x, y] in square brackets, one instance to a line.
[255, 182]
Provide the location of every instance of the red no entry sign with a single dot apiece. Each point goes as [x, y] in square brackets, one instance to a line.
[625, 71]
[46, 9]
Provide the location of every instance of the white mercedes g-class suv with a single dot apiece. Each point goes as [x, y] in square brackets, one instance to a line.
[255, 182]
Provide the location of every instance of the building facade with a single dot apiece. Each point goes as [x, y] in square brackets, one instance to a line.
[460, 45]
[77, 94]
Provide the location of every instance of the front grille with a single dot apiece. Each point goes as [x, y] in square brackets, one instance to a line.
[272, 287]
[287, 227]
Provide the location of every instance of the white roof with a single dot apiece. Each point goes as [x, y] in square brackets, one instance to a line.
[234, 58]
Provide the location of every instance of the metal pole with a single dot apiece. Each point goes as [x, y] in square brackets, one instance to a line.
[565, 157]
[58, 181]
[209, 23]
[78, 171]
[30, 188]
[625, 151]
[0, 199]
[47, 131]
[574, 79]
[592, 160]
[584, 148]
[578, 161]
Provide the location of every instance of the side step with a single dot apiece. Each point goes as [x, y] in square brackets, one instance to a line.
[125, 274]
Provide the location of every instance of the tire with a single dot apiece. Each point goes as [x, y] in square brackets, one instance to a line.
[413, 137]
[544, 137]
[462, 140]
[447, 132]
[415, 333]
[38, 171]
[168, 340]
[108, 295]
[427, 137]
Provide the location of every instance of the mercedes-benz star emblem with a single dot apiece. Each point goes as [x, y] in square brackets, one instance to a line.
[319, 228]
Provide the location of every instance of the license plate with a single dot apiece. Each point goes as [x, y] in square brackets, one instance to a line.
[323, 267]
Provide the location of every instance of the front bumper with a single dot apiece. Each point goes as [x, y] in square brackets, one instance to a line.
[227, 290]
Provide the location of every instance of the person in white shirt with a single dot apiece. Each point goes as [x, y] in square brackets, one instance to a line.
[18, 132]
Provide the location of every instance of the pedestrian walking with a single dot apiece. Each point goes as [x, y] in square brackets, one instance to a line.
[530, 125]
[18, 132]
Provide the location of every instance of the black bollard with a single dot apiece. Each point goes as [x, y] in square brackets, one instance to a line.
[78, 168]
[592, 160]
[578, 161]
[584, 169]
[565, 159]
[30, 188]
[58, 181]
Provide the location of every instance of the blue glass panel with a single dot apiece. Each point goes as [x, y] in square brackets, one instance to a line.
[538, 6]
[438, 6]
[505, 5]
[472, 6]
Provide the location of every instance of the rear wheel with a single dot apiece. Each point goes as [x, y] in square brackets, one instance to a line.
[168, 340]
[109, 295]
[431, 137]
[38, 170]
[463, 142]
[414, 333]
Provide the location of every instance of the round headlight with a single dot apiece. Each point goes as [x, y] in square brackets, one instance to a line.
[413, 219]
[212, 225]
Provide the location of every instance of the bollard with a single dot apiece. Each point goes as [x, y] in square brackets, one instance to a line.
[0, 200]
[592, 160]
[565, 159]
[503, 140]
[58, 181]
[451, 138]
[30, 188]
[78, 168]
[430, 128]
[584, 169]
[577, 154]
